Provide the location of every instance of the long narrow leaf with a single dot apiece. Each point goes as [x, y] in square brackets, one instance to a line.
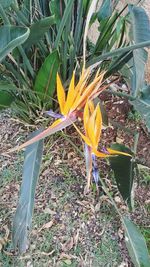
[117, 51]
[136, 244]
[63, 22]
[23, 216]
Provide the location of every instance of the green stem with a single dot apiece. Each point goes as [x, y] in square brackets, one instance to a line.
[110, 197]
[117, 51]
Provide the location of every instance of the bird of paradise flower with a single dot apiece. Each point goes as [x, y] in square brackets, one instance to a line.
[78, 103]
[92, 119]
[72, 103]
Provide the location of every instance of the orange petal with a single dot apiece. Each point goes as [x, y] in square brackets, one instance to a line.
[91, 106]
[91, 128]
[60, 94]
[99, 154]
[71, 95]
[86, 117]
[86, 94]
[98, 124]
[85, 138]
[116, 152]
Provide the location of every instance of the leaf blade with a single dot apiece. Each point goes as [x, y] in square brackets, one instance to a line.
[136, 244]
[23, 216]
[11, 37]
[46, 77]
[37, 30]
[123, 172]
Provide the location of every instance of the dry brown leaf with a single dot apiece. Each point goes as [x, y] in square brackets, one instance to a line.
[117, 199]
[68, 245]
[49, 211]
[97, 207]
[46, 225]
[47, 253]
[120, 233]
[76, 238]
[4, 240]
[67, 256]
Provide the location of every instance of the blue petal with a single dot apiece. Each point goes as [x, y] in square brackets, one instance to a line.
[95, 171]
[96, 176]
[54, 114]
[104, 150]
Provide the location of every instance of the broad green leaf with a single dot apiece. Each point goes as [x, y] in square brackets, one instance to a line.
[11, 37]
[136, 244]
[37, 30]
[7, 92]
[142, 105]
[105, 10]
[123, 172]
[46, 78]
[6, 3]
[23, 215]
[140, 32]
[55, 9]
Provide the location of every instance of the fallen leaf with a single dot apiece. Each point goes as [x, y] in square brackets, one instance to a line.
[46, 225]
[68, 262]
[67, 256]
[47, 253]
[117, 199]
[76, 238]
[68, 245]
[49, 211]
[4, 240]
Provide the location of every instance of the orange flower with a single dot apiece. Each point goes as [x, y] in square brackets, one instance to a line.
[78, 94]
[70, 104]
[92, 119]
